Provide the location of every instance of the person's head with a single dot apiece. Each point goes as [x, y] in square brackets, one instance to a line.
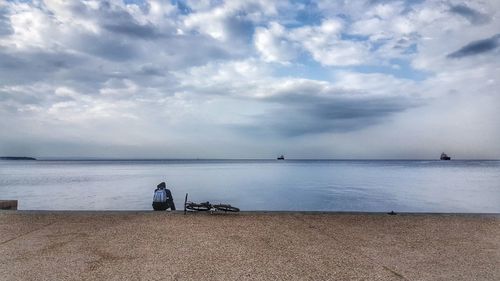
[162, 185]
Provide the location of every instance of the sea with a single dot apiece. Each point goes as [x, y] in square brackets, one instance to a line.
[468, 186]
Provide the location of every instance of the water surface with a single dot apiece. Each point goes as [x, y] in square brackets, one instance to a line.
[307, 185]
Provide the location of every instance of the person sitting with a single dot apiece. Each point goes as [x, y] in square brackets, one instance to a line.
[162, 198]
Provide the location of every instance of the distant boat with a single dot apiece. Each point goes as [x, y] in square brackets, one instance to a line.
[281, 157]
[445, 157]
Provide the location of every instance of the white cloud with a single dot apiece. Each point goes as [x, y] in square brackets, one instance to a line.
[231, 20]
[378, 84]
[274, 45]
[340, 54]
[279, 44]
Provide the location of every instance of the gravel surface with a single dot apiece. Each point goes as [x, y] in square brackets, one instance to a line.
[247, 246]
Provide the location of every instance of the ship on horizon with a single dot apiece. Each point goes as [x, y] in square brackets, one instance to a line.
[444, 156]
[281, 157]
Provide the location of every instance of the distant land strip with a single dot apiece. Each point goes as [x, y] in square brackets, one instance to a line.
[16, 158]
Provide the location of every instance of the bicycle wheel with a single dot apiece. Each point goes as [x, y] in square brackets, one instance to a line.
[226, 208]
[197, 207]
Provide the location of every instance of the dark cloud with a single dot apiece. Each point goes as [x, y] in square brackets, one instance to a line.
[112, 49]
[133, 29]
[114, 19]
[470, 14]
[304, 113]
[239, 28]
[477, 47]
[337, 115]
[5, 27]
[192, 49]
[356, 108]
[151, 70]
[121, 22]
[26, 67]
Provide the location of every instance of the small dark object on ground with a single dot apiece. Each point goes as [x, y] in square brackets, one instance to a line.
[392, 213]
[8, 204]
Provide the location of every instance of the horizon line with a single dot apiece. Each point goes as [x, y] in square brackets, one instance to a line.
[56, 158]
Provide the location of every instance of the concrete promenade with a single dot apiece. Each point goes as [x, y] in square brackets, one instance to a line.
[247, 246]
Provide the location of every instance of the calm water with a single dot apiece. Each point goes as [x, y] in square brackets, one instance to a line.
[417, 186]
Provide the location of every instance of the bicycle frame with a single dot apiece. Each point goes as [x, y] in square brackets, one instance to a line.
[206, 206]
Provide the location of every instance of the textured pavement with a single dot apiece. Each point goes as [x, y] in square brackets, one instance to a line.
[247, 246]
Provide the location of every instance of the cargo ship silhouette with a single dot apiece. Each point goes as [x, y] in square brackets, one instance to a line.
[444, 156]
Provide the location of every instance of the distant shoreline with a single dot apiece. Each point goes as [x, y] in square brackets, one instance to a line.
[17, 158]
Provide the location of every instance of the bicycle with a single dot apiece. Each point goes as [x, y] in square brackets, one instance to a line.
[206, 206]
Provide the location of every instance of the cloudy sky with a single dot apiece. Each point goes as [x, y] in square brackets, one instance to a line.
[250, 79]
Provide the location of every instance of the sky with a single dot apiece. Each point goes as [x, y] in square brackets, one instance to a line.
[361, 79]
